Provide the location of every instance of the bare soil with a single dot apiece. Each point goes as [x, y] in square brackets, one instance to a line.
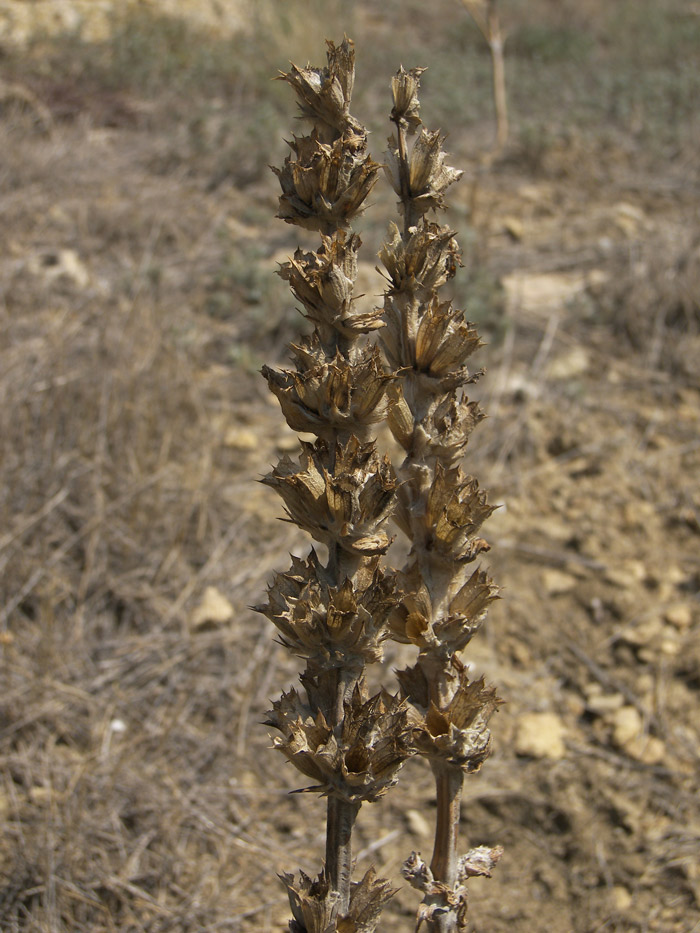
[138, 791]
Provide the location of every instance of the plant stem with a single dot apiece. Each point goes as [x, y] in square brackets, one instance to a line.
[341, 814]
[490, 27]
[495, 41]
[341, 819]
[448, 785]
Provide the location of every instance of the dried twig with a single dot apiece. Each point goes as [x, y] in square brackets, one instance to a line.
[485, 15]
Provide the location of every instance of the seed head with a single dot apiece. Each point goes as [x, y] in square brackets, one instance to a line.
[331, 398]
[428, 177]
[456, 510]
[458, 731]
[443, 634]
[429, 338]
[323, 281]
[325, 184]
[362, 762]
[315, 905]
[348, 506]
[404, 88]
[324, 93]
[329, 625]
[424, 261]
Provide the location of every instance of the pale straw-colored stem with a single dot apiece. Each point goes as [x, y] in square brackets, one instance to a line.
[341, 814]
[448, 787]
[489, 26]
[340, 822]
[496, 42]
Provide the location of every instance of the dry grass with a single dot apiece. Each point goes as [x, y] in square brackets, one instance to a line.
[653, 299]
[120, 502]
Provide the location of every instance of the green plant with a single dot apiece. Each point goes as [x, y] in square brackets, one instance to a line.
[335, 611]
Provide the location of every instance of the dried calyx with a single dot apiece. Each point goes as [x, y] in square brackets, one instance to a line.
[323, 282]
[355, 763]
[329, 173]
[330, 625]
[406, 364]
[314, 904]
[333, 397]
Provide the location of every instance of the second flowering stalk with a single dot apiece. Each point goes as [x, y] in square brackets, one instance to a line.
[440, 508]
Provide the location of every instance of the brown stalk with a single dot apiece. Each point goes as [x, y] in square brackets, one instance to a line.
[340, 815]
[440, 508]
[341, 818]
[401, 130]
[336, 615]
[448, 785]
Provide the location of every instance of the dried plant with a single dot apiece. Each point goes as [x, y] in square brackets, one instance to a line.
[337, 611]
[485, 15]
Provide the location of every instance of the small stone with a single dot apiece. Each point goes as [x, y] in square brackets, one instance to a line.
[675, 574]
[627, 725]
[645, 633]
[214, 609]
[628, 735]
[647, 749]
[575, 705]
[556, 582]
[679, 615]
[289, 443]
[540, 735]
[514, 227]
[621, 898]
[626, 574]
[573, 363]
[241, 439]
[605, 703]
[638, 514]
[417, 824]
[629, 218]
[597, 279]
[62, 264]
[669, 644]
